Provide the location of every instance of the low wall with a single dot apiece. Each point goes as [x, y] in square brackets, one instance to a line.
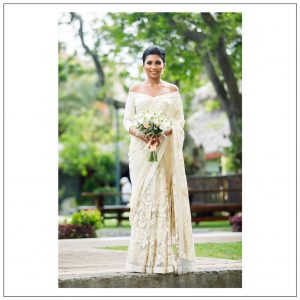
[200, 279]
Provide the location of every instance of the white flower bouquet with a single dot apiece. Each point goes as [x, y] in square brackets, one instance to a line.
[152, 125]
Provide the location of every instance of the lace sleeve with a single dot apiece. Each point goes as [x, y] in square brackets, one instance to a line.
[178, 112]
[129, 112]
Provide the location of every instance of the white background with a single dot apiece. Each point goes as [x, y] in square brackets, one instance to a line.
[269, 149]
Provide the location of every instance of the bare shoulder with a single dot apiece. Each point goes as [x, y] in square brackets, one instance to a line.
[171, 87]
[174, 88]
[135, 87]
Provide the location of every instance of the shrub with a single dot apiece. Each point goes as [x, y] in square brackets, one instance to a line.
[90, 217]
[83, 225]
[236, 222]
[75, 231]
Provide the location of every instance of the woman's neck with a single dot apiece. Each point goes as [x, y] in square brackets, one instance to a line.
[153, 82]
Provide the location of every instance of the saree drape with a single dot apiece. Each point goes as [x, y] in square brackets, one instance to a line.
[160, 214]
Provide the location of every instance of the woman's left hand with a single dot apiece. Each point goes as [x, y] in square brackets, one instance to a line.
[168, 132]
[156, 140]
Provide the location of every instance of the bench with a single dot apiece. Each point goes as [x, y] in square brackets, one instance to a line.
[205, 204]
[109, 211]
[213, 204]
[117, 210]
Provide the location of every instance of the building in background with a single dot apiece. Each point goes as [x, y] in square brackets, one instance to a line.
[209, 127]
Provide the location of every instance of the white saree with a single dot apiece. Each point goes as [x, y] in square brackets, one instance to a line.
[159, 206]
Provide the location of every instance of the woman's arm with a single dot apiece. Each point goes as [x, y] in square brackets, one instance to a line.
[133, 131]
[129, 112]
[129, 117]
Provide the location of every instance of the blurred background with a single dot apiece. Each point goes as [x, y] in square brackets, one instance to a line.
[100, 56]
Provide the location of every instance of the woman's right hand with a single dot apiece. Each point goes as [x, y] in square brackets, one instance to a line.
[142, 137]
[133, 131]
[150, 140]
[145, 139]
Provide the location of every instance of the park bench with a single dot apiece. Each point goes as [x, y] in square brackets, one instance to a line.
[211, 199]
[109, 211]
[207, 212]
[215, 198]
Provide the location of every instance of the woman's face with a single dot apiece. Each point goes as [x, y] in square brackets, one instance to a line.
[153, 65]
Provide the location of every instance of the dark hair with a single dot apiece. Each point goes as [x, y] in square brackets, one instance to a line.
[154, 50]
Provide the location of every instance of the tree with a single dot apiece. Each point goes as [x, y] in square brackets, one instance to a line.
[197, 43]
[86, 131]
[194, 41]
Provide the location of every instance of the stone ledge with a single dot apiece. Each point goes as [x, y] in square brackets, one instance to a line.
[212, 278]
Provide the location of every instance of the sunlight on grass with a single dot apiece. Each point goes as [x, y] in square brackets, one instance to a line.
[212, 224]
[122, 248]
[220, 250]
[213, 250]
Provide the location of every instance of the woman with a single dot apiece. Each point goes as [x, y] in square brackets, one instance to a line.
[159, 211]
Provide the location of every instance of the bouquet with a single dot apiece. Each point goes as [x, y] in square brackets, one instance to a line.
[152, 125]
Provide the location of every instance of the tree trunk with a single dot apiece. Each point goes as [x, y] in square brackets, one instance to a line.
[94, 56]
[234, 102]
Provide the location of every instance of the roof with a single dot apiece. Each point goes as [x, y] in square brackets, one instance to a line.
[212, 155]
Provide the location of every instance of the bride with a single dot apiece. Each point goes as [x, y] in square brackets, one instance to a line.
[161, 233]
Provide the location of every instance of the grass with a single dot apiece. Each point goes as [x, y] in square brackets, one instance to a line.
[213, 224]
[122, 248]
[220, 250]
[213, 250]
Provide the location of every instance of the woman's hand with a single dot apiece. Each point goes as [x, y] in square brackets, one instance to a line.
[137, 134]
[145, 139]
[168, 132]
[157, 139]
[142, 137]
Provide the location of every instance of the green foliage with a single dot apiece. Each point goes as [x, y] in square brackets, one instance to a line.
[88, 217]
[131, 32]
[85, 134]
[70, 66]
[179, 33]
[85, 146]
[103, 175]
[234, 152]
[211, 105]
[230, 26]
[86, 129]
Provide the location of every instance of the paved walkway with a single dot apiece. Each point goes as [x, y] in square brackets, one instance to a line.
[84, 257]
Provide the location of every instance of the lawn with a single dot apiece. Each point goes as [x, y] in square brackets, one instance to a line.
[213, 250]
